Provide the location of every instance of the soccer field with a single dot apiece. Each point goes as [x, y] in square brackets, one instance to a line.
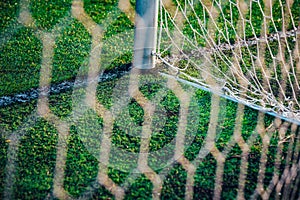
[77, 122]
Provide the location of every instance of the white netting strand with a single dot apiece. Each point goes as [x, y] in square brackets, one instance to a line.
[248, 50]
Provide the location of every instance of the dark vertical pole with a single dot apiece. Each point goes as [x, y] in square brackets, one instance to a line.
[145, 34]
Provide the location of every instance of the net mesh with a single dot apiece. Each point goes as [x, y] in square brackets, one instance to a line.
[248, 50]
[272, 142]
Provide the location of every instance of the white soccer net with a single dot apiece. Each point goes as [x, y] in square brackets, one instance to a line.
[247, 50]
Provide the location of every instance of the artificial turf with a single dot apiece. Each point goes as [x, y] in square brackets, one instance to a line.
[20, 61]
[37, 149]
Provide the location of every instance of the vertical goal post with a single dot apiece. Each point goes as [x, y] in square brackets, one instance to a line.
[145, 34]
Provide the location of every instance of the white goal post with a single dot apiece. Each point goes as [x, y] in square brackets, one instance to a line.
[247, 51]
[145, 34]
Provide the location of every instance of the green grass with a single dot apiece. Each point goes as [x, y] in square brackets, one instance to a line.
[8, 13]
[20, 58]
[173, 187]
[227, 23]
[36, 161]
[21, 55]
[37, 151]
[20, 61]
[141, 188]
[204, 179]
[48, 13]
[71, 52]
[81, 166]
